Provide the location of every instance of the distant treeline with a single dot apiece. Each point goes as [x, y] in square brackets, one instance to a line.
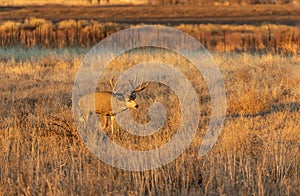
[202, 2]
[224, 2]
[149, 2]
[35, 32]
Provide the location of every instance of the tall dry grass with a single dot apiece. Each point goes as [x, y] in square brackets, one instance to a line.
[257, 152]
[37, 32]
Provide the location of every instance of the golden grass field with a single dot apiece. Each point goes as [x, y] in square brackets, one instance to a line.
[257, 153]
[255, 47]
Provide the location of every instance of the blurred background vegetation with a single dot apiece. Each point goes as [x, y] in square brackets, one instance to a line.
[151, 2]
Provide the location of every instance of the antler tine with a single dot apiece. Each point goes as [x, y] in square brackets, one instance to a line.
[132, 83]
[135, 79]
[112, 84]
[141, 87]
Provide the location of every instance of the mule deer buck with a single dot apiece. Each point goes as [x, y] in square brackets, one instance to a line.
[103, 103]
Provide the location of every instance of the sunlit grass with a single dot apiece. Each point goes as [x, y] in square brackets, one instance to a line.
[257, 152]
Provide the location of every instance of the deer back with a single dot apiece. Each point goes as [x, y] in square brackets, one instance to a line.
[101, 102]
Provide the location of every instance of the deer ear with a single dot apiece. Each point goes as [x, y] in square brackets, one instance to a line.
[133, 95]
[120, 97]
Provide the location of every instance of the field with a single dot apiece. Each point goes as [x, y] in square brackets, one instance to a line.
[164, 14]
[252, 28]
[257, 151]
[256, 49]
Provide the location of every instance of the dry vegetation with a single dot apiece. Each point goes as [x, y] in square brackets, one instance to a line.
[256, 154]
[259, 28]
[37, 32]
[152, 2]
[166, 14]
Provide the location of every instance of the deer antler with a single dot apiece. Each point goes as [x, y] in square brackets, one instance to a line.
[111, 82]
[132, 82]
[141, 87]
